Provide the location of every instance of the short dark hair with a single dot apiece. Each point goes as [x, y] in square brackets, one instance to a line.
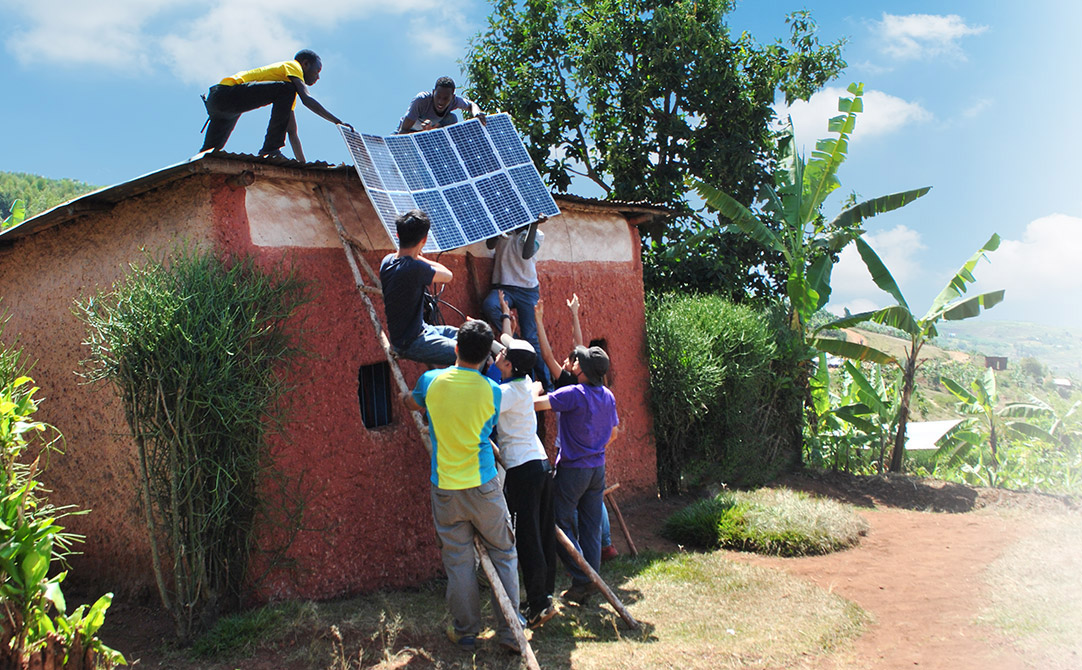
[411, 228]
[445, 82]
[307, 55]
[474, 341]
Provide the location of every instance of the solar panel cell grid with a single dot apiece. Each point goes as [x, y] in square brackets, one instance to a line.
[410, 163]
[506, 140]
[503, 202]
[444, 226]
[384, 163]
[471, 214]
[473, 180]
[474, 148]
[530, 187]
[441, 158]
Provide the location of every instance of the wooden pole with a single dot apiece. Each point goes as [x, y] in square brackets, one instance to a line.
[611, 500]
[365, 290]
[510, 611]
[569, 546]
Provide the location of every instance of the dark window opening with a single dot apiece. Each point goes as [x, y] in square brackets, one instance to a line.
[374, 392]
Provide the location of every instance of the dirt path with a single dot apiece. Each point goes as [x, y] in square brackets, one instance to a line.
[919, 575]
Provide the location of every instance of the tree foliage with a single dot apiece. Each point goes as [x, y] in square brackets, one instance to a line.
[637, 95]
[791, 222]
[36, 193]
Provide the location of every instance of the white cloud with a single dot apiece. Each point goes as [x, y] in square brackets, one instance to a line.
[924, 36]
[883, 114]
[899, 248]
[108, 34]
[195, 40]
[977, 108]
[1040, 271]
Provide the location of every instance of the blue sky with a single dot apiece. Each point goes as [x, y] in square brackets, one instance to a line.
[977, 99]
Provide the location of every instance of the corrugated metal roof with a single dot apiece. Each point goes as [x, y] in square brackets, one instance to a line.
[222, 162]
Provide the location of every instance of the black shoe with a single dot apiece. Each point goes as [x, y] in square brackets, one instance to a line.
[277, 153]
[538, 618]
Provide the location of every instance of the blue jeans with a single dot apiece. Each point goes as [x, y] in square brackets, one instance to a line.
[580, 490]
[524, 300]
[606, 527]
[435, 346]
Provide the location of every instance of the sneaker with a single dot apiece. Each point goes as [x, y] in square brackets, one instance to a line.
[540, 617]
[277, 153]
[463, 641]
[578, 593]
[608, 553]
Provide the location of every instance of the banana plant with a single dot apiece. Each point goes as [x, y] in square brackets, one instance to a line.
[791, 220]
[17, 216]
[951, 304]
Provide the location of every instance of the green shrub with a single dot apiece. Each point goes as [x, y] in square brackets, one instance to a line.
[722, 392]
[196, 350]
[35, 630]
[767, 521]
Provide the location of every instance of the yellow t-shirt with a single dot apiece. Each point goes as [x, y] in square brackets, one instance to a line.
[274, 72]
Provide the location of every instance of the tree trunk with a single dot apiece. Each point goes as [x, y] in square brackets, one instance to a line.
[897, 456]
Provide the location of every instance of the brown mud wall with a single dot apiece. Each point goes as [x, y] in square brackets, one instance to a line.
[40, 277]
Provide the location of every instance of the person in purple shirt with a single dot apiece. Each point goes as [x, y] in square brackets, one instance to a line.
[587, 425]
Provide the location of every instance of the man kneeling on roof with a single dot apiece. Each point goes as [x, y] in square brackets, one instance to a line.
[278, 85]
[436, 109]
[404, 276]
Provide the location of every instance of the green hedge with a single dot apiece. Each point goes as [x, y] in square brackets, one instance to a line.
[725, 406]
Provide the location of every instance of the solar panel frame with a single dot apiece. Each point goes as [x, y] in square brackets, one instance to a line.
[474, 180]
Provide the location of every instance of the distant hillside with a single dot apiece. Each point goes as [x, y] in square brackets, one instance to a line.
[39, 193]
[1057, 347]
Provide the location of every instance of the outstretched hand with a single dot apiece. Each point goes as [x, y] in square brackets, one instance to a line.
[539, 309]
[573, 303]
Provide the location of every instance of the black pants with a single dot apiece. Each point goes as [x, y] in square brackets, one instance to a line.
[225, 104]
[528, 490]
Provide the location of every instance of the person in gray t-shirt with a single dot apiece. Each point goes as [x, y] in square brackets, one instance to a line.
[436, 109]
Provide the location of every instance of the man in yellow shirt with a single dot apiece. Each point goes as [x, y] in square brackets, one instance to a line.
[278, 85]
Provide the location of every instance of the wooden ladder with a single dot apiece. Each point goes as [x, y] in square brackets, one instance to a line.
[356, 260]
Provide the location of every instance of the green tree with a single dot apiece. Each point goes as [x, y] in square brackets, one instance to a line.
[637, 95]
[951, 305]
[37, 194]
[790, 221]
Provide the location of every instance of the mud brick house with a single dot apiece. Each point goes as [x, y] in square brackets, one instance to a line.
[365, 488]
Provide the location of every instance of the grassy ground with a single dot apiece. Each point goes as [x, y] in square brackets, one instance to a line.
[1035, 592]
[697, 611]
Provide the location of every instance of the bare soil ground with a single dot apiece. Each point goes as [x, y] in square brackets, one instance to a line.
[919, 573]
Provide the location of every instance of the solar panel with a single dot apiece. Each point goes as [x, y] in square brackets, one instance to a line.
[473, 180]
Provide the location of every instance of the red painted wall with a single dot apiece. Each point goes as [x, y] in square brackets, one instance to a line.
[366, 522]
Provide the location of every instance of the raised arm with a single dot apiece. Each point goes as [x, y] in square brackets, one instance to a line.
[543, 340]
[505, 316]
[529, 246]
[576, 329]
